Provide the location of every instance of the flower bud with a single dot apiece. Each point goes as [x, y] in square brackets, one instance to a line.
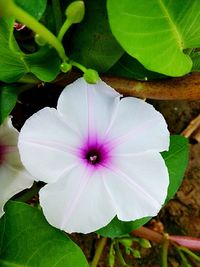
[136, 254]
[65, 67]
[91, 76]
[144, 243]
[75, 11]
[126, 242]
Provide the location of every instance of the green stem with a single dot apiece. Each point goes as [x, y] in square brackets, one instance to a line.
[77, 65]
[57, 14]
[98, 252]
[66, 25]
[164, 252]
[29, 194]
[184, 260]
[10, 8]
[190, 253]
[119, 254]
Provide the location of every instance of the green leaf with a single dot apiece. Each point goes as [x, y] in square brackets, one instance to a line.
[118, 228]
[12, 64]
[92, 43]
[196, 61]
[157, 32]
[130, 67]
[52, 19]
[35, 8]
[26, 239]
[176, 160]
[8, 99]
[44, 64]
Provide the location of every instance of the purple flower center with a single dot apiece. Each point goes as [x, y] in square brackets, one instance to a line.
[95, 153]
[94, 156]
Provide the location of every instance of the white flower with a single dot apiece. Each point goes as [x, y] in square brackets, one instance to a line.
[13, 177]
[99, 155]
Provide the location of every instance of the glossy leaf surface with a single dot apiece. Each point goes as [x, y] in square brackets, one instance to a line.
[157, 32]
[26, 239]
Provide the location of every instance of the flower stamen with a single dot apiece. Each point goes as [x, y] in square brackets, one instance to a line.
[93, 157]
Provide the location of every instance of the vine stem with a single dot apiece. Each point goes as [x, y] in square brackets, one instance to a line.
[191, 128]
[78, 65]
[164, 252]
[182, 88]
[185, 262]
[66, 25]
[186, 241]
[98, 252]
[190, 253]
[119, 254]
[11, 9]
[148, 234]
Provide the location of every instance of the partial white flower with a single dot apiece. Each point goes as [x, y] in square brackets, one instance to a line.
[99, 156]
[13, 176]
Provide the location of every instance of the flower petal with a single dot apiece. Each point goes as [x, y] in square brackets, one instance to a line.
[138, 127]
[138, 185]
[91, 105]
[12, 181]
[13, 177]
[8, 134]
[47, 145]
[77, 202]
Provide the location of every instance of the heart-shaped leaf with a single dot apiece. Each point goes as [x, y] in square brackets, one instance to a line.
[157, 32]
[26, 239]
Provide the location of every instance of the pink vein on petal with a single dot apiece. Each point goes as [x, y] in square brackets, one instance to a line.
[125, 137]
[67, 124]
[109, 192]
[113, 116]
[69, 211]
[91, 128]
[126, 178]
[53, 145]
